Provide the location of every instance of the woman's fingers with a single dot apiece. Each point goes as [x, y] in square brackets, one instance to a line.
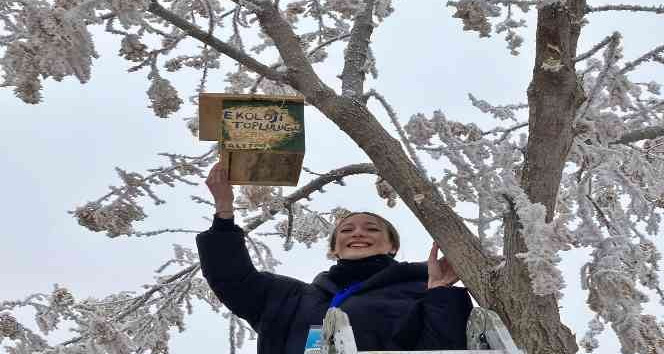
[433, 253]
[434, 269]
[217, 174]
[441, 272]
[450, 276]
[218, 183]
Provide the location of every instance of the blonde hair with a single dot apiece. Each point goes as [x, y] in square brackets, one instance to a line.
[392, 232]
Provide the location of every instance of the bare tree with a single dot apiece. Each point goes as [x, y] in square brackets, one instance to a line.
[585, 173]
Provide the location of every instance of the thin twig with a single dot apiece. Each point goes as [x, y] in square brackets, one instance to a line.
[645, 57]
[612, 57]
[326, 43]
[153, 175]
[402, 134]
[304, 192]
[596, 48]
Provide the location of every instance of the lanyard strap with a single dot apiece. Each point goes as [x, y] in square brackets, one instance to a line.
[342, 295]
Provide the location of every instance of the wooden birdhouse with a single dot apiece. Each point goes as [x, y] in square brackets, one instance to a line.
[261, 138]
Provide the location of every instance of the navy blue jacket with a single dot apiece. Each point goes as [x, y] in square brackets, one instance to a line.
[392, 311]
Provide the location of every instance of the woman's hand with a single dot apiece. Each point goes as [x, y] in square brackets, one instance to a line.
[221, 191]
[440, 270]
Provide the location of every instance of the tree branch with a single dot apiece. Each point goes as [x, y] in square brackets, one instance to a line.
[614, 37]
[143, 298]
[352, 76]
[635, 8]
[254, 88]
[327, 42]
[641, 134]
[215, 43]
[395, 121]
[611, 58]
[645, 57]
[315, 185]
[300, 75]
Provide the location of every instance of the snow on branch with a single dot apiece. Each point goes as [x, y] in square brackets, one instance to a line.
[498, 112]
[615, 189]
[47, 42]
[611, 55]
[543, 241]
[163, 96]
[477, 158]
[475, 15]
[611, 280]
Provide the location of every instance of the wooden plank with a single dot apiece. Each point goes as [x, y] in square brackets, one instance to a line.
[258, 168]
[209, 114]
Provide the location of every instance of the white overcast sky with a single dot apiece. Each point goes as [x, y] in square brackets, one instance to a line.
[60, 154]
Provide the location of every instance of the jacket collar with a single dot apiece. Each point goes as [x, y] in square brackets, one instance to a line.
[397, 273]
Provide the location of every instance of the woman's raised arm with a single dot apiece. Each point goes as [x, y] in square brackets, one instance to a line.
[226, 264]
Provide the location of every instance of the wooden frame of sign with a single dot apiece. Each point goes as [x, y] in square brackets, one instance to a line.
[261, 138]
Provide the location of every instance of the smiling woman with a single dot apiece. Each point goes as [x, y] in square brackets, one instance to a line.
[363, 234]
[391, 305]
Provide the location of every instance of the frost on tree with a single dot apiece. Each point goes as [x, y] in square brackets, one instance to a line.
[607, 190]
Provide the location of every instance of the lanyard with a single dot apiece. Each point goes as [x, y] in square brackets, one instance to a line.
[342, 295]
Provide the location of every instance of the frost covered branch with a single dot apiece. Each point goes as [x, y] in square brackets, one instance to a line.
[402, 135]
[116, 216]
[498, 112]
[609, 39]
[611, 56]
[656, 9]
[216, 43]
[119, 323]
[644, 58]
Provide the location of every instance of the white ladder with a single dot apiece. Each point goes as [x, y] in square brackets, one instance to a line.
[485, 334]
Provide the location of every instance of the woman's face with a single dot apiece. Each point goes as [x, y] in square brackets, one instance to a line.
[361, 236]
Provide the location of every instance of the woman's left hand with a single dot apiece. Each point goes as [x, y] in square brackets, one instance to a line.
[440, 270]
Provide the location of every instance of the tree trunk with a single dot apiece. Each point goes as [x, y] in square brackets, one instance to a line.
[553, 98]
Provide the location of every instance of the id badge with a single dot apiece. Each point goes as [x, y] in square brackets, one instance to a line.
[314, 340]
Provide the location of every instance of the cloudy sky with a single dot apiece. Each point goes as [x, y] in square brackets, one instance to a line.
[61, 153]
